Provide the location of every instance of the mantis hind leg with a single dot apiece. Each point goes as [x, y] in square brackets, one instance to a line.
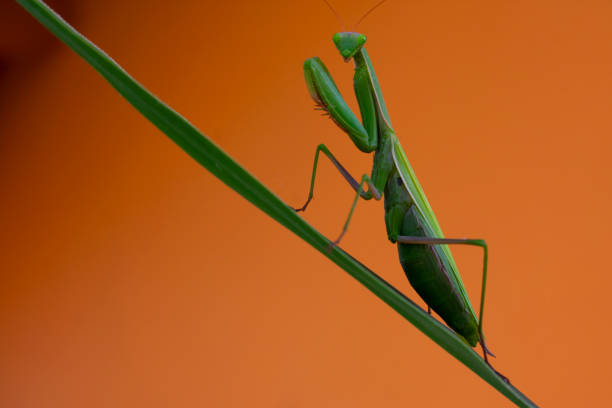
[366, 195]
[462, 241]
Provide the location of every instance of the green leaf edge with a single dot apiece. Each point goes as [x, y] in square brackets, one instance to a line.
[215, 160]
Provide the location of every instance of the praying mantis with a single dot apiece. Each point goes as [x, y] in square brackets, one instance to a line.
[411, 223]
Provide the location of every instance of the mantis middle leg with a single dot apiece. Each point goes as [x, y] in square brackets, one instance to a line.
[366, 195]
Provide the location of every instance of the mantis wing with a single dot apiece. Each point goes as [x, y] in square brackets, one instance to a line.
[418, 196]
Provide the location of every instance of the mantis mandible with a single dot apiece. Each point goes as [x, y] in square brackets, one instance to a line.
[411, 224]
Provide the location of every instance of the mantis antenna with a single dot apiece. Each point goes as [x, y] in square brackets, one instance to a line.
[335, 13]
[369, 11]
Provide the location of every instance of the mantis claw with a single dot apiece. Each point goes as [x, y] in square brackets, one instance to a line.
[487, 351]
[302, 208]
[503, 377]
[335, 243]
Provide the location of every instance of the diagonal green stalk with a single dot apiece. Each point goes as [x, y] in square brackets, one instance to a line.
[209, 155]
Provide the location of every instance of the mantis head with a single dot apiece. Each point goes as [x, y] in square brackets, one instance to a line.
[349, 44]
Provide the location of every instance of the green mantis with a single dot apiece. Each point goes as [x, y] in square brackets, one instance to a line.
[411, 224]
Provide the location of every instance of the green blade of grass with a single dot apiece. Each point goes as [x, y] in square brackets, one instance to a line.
[209, 155]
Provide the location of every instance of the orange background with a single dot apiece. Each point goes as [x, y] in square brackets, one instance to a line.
[132, 277]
